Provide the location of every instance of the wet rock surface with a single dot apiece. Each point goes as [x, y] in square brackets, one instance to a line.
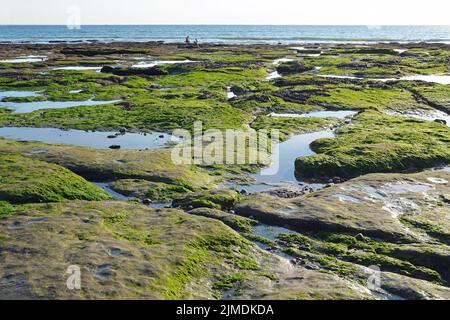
[119, 249]
[272, 239]
[154, 71]
[393, 221]
[374, 205]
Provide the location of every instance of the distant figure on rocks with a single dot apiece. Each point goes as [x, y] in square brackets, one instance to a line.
[187, 41]
[196, 43]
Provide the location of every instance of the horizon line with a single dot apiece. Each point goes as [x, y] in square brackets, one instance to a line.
[233, 24]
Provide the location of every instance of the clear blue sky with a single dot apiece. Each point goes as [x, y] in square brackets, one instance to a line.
[227, 11]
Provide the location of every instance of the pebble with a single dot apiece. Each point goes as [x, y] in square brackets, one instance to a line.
[147, 201]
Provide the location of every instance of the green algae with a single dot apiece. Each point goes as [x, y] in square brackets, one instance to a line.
[220, 199]
[334, 250]
[369, 98]
[26, 180]
[6, 209]
[378, 143]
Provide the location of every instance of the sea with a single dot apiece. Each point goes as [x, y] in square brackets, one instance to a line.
[231, 34]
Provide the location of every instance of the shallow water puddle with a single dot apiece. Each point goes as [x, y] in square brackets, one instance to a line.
[276, 62]
[316, 114]
[283, 159]
[424, 115]
[26, 59]
[300, 49]
[346, 198]
[282, 168]
[273, 75]
[79, 68]
[111, 192]
[25, 107]
[92, 139]
[441, 79]
[339, 77]
[158, 63]
[270, 232]
[18, 94]
[230, 94]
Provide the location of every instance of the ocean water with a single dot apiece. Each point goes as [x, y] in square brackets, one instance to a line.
[227, 33]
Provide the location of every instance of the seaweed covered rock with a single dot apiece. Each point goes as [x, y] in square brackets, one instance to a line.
[384, 206]
[157, 191]
[126, 251]
[216, 199]
[394, 221]
[90, 52]
[233, 221]
[25, 180]
[292, 67]
[110, 165]
[377, 142]
[154, 71]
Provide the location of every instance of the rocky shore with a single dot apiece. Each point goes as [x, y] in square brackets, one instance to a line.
[95, 186]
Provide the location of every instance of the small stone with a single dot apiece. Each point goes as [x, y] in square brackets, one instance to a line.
[337, 180]
[147, 202]
[312, 266]
[113, 136]
[127, 105]
[115, 147]
[441, 121]
[360, 237]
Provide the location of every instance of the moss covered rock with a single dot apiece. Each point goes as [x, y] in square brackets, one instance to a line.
[215, 199]
[128, 251]
[378, 143]
[24, 179]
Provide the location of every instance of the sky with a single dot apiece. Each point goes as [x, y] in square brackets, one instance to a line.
[328, 12]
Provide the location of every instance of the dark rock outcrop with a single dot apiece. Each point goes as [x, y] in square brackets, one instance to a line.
[100, 51]
[154, 71]
[292, 67]
[441, 121]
